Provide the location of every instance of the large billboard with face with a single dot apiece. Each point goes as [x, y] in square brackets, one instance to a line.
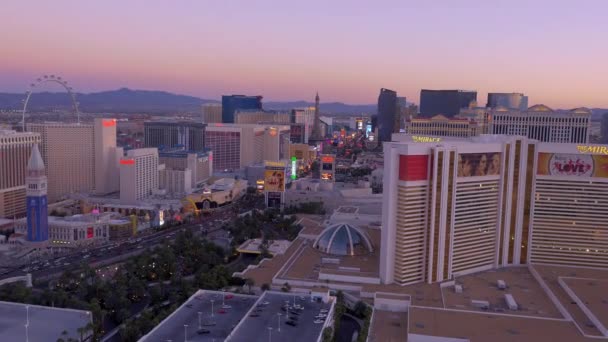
[274, 179]
[478, 164]
[575, 165]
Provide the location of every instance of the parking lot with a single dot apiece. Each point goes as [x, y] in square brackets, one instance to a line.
[267, 321]
[217, 318]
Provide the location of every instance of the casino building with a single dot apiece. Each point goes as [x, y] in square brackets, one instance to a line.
[454, 207]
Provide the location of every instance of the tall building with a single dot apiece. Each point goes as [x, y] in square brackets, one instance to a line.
[387, 114]
[402, 114]
[441, 126]
[255, 116]
[232, 103]
[513, 101]
[445, 102]
[304, 116]
[604, 129]
[70, 153]
[107, 156]
[316, 135]
[37, 205]
[186, 134]
[235, 146]
[212, 112]
[543, 123]
[138, 174]
[15, 151]
[455, 207]
[200, 164]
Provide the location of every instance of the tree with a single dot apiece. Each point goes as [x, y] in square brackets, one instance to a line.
[286, 287]
[265, 287]
[327, 334]
[250, 283]
[360, 309]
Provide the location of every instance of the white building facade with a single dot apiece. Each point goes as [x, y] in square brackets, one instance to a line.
[138, 174]
[458, 207]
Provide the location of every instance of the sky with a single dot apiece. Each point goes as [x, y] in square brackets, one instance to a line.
[556, 52]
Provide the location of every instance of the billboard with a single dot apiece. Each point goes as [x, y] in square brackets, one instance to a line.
[274, 179]
[478, 164]
[90, 232]
[575, 165]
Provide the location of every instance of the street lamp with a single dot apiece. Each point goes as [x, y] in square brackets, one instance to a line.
[27, 323]
[199, 320]
[185, 332]
[212, 307]
[279, 326]
[269, 334]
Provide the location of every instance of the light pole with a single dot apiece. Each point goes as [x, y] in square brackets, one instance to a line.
[279, 326]
[212, 307]
[27, 323]
[269, 334]
[185, 332]
[199, 320]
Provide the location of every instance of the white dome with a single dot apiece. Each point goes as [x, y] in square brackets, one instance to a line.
[343, 239]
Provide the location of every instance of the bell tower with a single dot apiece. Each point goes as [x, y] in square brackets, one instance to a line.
[37, 206]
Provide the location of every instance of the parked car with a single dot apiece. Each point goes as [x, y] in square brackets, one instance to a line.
[318, 321]
[292, 323]
[203, 331]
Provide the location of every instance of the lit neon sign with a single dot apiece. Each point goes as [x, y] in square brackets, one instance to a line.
[108, 122]
[327, 159]
[293, 167]
[592, 149]
[417, 138]
[127, 162]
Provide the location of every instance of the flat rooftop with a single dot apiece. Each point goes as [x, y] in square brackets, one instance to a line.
[267, 310]
[387, 326]
[220, 321]
[551, 274]
[593, 294]
[253, 246]
[483, 327]
[530, 297]
[45, 323]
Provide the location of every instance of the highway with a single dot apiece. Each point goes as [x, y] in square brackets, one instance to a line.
[117, 251]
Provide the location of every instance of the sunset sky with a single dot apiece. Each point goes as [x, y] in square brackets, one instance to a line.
[554, 51]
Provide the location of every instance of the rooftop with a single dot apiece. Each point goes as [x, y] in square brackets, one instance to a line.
[45, 323]
[526, 291]
[253, 246]
[268, 313]
[387, 326]
[220, 321]
[483, 327]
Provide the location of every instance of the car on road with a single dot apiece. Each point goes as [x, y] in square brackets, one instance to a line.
[319, 321]
[203, 331]
[226, 306]
[254, 315]
[292, 323]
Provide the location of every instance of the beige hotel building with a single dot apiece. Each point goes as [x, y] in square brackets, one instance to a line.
[79, 158]
[455, 207]
[15, 151]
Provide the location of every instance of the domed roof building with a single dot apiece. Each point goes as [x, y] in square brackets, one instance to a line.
[343, 239]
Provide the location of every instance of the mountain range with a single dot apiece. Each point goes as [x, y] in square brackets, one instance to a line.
[126, 100]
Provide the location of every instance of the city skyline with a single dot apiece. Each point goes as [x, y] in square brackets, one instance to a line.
[345, 50]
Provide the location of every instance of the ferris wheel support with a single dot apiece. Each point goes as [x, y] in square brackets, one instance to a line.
[45, 79]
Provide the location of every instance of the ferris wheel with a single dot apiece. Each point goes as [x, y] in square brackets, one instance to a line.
[54, 79]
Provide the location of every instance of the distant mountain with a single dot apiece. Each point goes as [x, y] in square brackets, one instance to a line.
[126, 100]
[335, 108]
[122, 100]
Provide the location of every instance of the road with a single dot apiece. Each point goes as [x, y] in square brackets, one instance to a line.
[116, 251]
